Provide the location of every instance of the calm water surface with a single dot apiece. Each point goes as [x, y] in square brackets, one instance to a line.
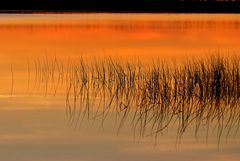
[33, 122]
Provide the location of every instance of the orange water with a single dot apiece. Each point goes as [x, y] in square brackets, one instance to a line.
[35, 127]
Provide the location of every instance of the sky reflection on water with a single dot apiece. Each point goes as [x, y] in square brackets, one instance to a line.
[35, 127]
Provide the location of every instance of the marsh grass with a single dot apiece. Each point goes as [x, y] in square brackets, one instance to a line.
[201, 93]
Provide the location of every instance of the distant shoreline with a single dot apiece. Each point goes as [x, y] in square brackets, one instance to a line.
[123, 6]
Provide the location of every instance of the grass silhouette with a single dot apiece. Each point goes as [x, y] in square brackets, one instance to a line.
[201, 93]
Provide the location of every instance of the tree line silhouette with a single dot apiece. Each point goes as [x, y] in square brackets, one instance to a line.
[173, 6]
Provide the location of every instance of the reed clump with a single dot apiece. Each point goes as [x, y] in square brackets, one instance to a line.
[202, 93]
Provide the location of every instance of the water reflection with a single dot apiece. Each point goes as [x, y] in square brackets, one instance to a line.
[203, 94]
[59, 100]
[123, 26]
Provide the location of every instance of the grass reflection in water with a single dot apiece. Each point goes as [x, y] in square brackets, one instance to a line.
[201, 93]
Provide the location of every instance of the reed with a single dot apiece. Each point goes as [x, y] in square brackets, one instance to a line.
[201, 93]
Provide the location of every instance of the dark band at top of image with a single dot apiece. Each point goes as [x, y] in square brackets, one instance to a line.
[150, 6]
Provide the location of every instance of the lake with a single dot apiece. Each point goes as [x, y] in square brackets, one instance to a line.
[66, 81]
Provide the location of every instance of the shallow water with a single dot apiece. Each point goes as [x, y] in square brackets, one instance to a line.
[34, 124]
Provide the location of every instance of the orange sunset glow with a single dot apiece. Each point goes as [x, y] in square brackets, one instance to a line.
[119, 86]
[146, 37]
